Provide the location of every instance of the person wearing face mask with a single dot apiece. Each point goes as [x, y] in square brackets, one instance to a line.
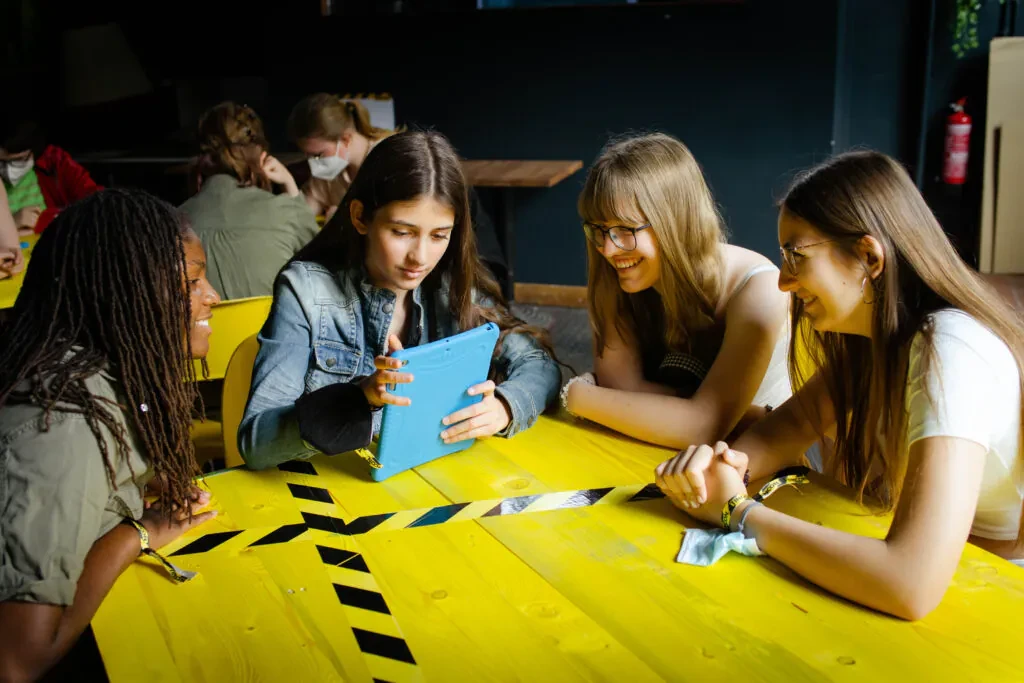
[248, 231]
[40, 179]
[335, 135]
[396, 267]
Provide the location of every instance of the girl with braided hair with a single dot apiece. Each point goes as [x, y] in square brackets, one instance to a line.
[93, 408]
[248, 232]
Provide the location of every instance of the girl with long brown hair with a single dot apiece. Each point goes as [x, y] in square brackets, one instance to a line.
[917, 373]
[248, 231]
[688, 330]
[397, 266]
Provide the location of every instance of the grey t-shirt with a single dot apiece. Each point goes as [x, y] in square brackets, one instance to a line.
[56, 497]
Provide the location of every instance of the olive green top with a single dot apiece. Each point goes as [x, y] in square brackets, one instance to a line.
[248, 234]
[56, 497]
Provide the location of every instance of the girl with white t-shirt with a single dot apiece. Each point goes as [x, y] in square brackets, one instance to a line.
[917, 376]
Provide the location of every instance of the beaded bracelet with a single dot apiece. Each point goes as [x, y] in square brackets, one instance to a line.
[586, 378]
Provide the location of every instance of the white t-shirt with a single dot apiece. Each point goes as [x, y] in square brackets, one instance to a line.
[975, 386]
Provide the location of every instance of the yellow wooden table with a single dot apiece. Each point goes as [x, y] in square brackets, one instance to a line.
[10, 287]
[541, 558]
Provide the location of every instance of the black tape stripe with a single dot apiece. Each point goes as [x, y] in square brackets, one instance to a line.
[334, 556]
[510, 506]
[298, 467]
[314, 493]
[361, 598]
[206, 543]
[361, 525]
[346, 559]
[357, 563]
[380, 680]
[649, 492]
[335, 525]
[585, 497]
[438, 515]
[281, 534]
[324, 523]
[383, 645]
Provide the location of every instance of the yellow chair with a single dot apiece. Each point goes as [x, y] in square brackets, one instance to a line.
[10, 287]
[235, 395]
[232, 323]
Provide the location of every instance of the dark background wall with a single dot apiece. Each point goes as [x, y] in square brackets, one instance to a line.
[555, 84]
[758, 89]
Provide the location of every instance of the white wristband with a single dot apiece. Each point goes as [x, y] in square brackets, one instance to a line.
[586, 378]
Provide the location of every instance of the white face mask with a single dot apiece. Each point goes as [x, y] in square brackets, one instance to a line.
[14, 171]
[328, 168]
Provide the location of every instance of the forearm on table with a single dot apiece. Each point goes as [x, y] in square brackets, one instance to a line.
[270, 437]
[664, 420]
[646, 387]
[776, 441]
[868, 571]
[610, 379]
[32, 652]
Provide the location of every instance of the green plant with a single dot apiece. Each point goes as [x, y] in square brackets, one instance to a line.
[965, 26]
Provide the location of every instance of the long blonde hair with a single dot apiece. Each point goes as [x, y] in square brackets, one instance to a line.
[329, 117]
[654, 179]
[867, 193]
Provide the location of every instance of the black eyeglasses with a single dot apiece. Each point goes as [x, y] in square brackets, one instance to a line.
[792, 257]
[622, 237]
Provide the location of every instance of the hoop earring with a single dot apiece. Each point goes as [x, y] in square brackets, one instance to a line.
[863, 284]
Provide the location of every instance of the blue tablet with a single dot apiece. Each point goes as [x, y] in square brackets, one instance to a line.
[442, 373]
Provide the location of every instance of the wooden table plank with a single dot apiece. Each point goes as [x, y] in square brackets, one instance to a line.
[479, 172]
[591, 593]
[473, 611]
[517, 173]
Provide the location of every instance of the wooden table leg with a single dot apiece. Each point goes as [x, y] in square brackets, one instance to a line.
[506, 233]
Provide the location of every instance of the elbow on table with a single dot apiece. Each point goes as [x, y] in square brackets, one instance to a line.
[918, 606]
[915, 598]
[256, 455]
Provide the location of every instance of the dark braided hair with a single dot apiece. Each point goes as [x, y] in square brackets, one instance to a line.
[105, 291]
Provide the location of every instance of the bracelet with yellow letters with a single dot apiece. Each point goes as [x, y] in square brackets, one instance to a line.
[790, 476]
[177, 573]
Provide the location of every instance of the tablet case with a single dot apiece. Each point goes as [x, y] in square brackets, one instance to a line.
[442, 373]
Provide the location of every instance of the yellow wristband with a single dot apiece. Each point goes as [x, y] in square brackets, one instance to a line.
[730, 507]
[791, 476]
[177, 573]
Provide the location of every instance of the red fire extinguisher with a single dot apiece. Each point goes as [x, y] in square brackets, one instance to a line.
[958, 140]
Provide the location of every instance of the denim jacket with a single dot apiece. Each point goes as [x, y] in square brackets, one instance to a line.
[324, 330]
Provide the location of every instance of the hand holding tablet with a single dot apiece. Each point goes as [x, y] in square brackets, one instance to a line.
[451, 394]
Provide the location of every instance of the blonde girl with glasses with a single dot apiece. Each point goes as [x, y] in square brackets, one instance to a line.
[689, 331]
[917, 370]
